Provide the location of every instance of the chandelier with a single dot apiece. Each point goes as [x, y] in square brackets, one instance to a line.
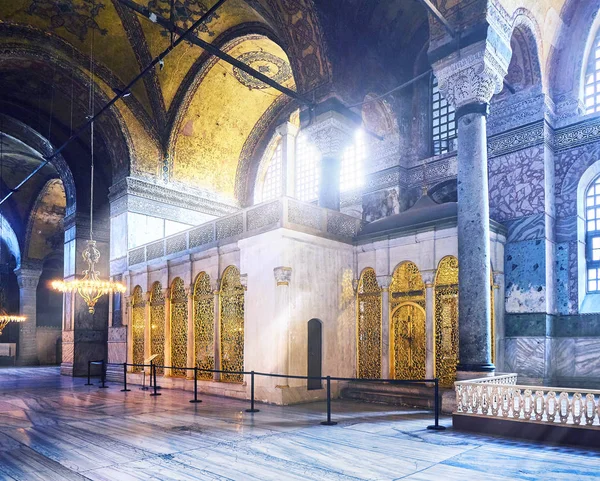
[5, 318]
[90, 287]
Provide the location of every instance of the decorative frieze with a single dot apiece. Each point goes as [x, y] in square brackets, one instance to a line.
[331, 133]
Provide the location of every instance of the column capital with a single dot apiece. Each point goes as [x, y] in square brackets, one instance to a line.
[384, 282]
[283, 275]
[428, 277]
[331, 132]
[28, 278]
[287, 128]
[244, 281]
[472, 75]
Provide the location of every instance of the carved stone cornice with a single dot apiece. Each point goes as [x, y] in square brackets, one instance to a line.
[331, 133]
[471, 75]
[283, 275]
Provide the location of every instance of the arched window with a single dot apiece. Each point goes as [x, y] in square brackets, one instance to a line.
[443, 126]
[592, 235]
[308, 167]
[591, 94]
[271, 186]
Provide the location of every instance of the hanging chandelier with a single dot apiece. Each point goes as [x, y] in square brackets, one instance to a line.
[5, 318]
[90, 287]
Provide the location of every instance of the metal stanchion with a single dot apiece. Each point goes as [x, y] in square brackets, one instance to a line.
[329, 422]
[195, 400]
[125, 378]
[436, 407]
[153, 375]
[103, 375]
[89, 383]
[252, 410]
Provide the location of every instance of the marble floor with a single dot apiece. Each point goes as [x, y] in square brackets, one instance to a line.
[55, 428]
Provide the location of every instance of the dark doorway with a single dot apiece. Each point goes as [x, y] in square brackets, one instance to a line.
[315, 348]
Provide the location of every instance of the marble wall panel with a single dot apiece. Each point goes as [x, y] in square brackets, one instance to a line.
[526, 228]
[525, 275]
[516, 184]
[587, 357]
[563, 357]
[525, 355]
[563, 303]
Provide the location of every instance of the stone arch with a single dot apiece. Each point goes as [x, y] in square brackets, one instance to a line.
[10, 239]
[526, 44]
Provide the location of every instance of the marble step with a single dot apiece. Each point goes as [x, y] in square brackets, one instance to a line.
[412, 396]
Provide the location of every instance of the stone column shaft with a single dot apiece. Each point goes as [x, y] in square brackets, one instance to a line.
[429, 331]
[27, 348]
[217, 346]
[384, 283]
[288, 132]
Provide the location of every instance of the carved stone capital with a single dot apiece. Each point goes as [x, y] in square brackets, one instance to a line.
[428, 277]
[471, 75]
[331, 133]
[28, 278]
[384, 282]
[287, 128]
[283, 275]
[498, 278]
[244, 281]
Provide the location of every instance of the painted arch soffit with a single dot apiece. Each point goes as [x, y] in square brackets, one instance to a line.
[221, 112]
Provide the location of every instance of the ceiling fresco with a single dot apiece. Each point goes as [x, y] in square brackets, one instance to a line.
[45, 233]
[222, 112]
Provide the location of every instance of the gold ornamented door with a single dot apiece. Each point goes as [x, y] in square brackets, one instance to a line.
[137, 327]
[204, 326]
[157, 326]
[409, 348]
[368, 326]
[446, 321]
[179, 327]
[232, 325]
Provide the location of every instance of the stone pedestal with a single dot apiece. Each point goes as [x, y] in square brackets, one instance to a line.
[28, 278]
[468, 79]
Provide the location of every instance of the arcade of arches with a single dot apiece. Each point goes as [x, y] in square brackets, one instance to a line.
[447, 229]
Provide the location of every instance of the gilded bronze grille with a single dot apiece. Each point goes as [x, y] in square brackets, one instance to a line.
[204, 325]
[408, 336]
[368, 326]
[446, 321]
[157, 325]
[232, 325]
[137, 327]
[179, 327]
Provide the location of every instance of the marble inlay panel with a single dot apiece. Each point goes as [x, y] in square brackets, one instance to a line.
[525, 276]
[563, 357]
[587, 357]
[526, 228]
[525, 355]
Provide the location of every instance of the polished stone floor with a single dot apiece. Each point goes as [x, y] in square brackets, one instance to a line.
[55, 428]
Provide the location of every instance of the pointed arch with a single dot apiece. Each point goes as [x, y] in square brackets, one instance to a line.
[368, 326]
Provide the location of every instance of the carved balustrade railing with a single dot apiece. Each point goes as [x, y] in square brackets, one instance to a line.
[502, 397]
[283, 212]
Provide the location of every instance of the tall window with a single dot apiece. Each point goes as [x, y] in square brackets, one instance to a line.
[443, 128]
[308, 161]
[308, 167]
[592, 238]
[272, 187]
[591, 95]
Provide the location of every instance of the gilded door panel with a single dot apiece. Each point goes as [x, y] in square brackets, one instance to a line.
[368, 326]
[409, 347]
[446, 321]
[232, 325]
[179, 327]
[157, 326]
[137, 326]
[204, 326]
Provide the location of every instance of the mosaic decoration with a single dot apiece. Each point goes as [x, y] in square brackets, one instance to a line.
[179, 327]
[407, 302]
[232, 325]
[186, 13]
[204, 325]
[137, 327]
[368, 326]
[446, 321]
[157, 325]
[266, 63]
[77, 17]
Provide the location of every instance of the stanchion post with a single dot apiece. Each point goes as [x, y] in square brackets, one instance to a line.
[125, 378]
[103, 374]
[153, 375]
[195, 400]
[252, 409]
[89, 383]
[329, 422]
[436, 406]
